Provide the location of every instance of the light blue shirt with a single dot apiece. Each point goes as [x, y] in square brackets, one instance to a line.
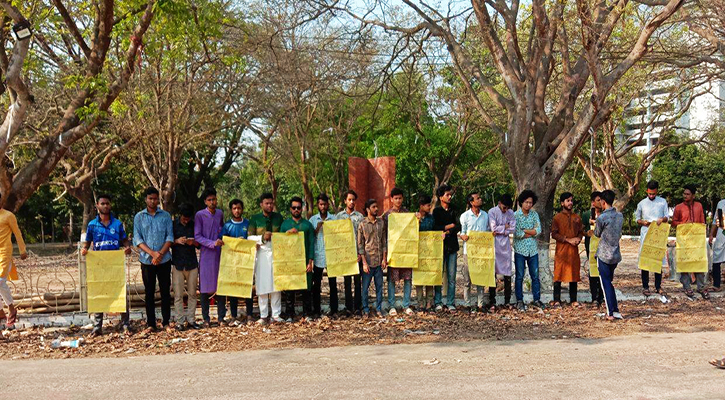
[320, 260]
[154, 231]
[650, 210]
[472, 222]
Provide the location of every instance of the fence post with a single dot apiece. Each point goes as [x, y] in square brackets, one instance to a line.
[82, 277]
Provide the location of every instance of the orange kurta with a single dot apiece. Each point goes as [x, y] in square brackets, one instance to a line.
[9, 227]
[566, 256]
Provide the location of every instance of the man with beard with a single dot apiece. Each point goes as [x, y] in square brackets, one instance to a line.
[566, 230]
[294, 225]
[185, 274]
[352, 304]
[318, 221]
[238, 227]
[105, 232]
[208, 225]
[690, 212]
[261, 227]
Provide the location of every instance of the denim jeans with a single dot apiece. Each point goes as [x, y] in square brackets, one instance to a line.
[376, 273]
[449, 266]
[533, 262]
[606, 276]
[407, 288]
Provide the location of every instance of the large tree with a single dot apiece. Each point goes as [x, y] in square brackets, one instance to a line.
[554, 66]
[73, 69]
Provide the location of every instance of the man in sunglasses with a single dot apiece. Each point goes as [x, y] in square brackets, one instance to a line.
[294, 225]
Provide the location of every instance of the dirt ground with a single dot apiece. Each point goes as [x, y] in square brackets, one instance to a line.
[640, 318]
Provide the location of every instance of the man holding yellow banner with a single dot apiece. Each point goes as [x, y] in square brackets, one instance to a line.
[397, 271]
[447, 220]
[424, 293]
[652, 209]
[294, 225]
[353, 303]
[691, 252]
[106, 233]
[261, 228]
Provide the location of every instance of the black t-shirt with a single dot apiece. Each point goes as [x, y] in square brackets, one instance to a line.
[183, 256]
[445, 217]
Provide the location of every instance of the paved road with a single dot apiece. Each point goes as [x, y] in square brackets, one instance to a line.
[646, 367]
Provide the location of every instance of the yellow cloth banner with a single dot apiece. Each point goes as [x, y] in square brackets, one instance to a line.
[236, 267]
[481, 258]
[593, 265]
[691, 250]
[654, 248]
[106, 281]
[402, 240]
[340, 248]
[430, 259]
[288, 261]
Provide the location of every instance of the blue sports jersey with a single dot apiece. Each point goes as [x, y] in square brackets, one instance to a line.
[236, 229]
[105, 237]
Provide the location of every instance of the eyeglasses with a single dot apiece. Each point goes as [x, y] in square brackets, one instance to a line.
[295, 207]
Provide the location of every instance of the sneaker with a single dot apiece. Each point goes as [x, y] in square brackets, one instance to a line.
[539, 304]
[194, 325]
[392, 312]
[520, 306]
[439, 308]
[617, 315]
[409, 311]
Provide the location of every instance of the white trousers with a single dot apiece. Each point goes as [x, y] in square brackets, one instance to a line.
[264, 299]
[5, 293]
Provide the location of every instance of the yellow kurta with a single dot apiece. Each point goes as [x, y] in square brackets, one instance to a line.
[8, 227]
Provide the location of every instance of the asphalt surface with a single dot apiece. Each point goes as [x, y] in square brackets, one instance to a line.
[661, 366]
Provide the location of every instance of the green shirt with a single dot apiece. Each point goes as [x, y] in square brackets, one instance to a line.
[259, 224]
[302, 226]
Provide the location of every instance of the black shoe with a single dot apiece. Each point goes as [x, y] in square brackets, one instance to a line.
[520, 306]
[539, 304]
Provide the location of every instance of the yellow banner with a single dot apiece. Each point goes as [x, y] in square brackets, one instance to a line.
[402, 240]
[430, 259]
[691, 250]
[236, 267]
[481, 258]
[654, 248]
[288, 261]
[106, 281]
[340, 248]
[593, 265]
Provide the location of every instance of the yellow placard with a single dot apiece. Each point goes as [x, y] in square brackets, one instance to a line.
[106, 281]
[340, 248]
[691, 250]
[654, 248]
[288, 261]
[402, 240]
[593, 265]
[430, 259]
[236, 267]
[481, 258]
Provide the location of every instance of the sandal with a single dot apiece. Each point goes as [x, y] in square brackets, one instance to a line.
[661, 292]
[690, 294]
[647, 292]
[718, 363]
[556, 304]
[576, 304]
[705, 295]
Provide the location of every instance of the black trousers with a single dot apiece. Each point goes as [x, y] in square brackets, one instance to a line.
[716, 275]
[150, 274]
[572, 292]
[595, 286]
[250, 306]
[221, 306]
[645, 280]
[506, 292]
[353, 302]
[317, 291]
